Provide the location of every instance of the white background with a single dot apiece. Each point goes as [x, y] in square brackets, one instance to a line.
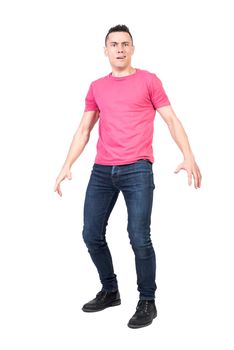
[50, 52]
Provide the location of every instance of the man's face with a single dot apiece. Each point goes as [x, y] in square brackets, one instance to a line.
[119, 49]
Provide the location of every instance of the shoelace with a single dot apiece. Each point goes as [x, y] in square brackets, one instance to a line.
[142, 306]
[101, 295]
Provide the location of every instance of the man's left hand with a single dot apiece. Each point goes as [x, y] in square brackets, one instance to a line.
[192, 169]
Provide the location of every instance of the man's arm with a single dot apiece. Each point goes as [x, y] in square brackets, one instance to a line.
[79, 141]
[179, 135]
[81, 137]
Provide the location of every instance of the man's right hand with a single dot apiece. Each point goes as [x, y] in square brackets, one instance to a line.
[64, 173]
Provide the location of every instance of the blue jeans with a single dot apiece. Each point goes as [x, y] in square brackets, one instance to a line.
[136, 181]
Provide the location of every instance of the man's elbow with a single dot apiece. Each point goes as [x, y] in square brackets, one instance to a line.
[83, 133]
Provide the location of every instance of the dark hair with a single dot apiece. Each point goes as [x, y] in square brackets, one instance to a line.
[118, 28]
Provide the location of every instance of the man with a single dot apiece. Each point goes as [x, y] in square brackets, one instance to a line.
[125, 102]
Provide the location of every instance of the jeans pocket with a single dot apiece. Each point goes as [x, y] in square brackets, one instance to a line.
[146, 162]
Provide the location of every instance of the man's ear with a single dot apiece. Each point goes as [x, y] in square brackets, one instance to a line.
[105, 50]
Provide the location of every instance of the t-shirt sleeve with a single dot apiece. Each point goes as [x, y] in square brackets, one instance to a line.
[90, 103]
[158, 95]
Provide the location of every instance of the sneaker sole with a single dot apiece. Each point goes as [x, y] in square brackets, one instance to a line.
[114, 303]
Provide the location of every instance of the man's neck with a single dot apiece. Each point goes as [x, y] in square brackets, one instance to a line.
[121, 73]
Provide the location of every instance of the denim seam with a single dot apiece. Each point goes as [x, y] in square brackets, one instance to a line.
[108, 206]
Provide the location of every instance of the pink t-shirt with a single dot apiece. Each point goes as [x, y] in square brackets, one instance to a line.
[127, 107]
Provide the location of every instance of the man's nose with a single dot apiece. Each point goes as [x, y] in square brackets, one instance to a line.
[120, 49]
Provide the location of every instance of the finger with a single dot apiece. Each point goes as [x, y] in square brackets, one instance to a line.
[177, 169]
[59, 192]
[189, 178]
[55, 186]
[195, 180]
[200, 178]
[198, 181]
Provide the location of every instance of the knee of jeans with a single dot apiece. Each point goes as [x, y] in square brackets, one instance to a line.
[143, 251]
[91, 240]
[87, 236]
[139, 236]
[140, 241]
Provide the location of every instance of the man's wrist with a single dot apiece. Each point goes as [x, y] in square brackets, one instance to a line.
[67, 166]
[189, 156]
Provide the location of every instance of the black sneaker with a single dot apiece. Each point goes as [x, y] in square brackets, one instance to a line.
[145, 313]
[102, 301]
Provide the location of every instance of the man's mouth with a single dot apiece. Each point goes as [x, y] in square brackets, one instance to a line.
[120, 57]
